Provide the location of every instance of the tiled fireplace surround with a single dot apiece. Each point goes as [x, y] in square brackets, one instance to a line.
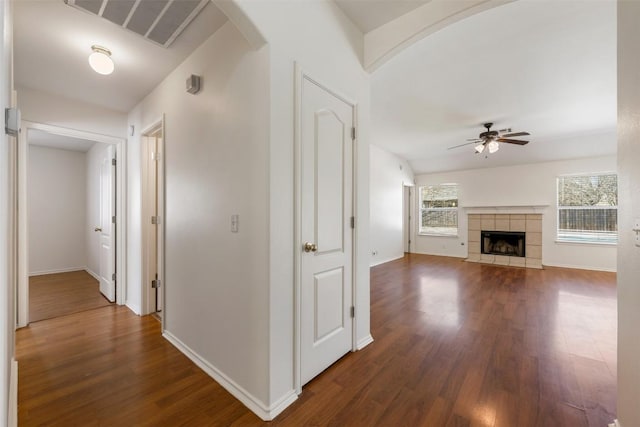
[529, 223]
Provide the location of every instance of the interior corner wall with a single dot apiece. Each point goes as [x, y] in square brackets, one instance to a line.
[56, 210]
[530, 184]
[133, 297]
[42, 107]
[216, 162]
[93, 166]
[326, 45]
[388, 176]
[628, 213]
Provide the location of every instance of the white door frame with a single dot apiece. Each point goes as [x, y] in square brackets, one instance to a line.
[121, 220]
[299, 76]
[146, 297]
[407, 217]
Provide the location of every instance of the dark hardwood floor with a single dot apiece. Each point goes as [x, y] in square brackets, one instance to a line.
[456, 344]
[59, 294]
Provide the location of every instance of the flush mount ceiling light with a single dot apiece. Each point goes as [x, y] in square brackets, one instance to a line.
[100, 60]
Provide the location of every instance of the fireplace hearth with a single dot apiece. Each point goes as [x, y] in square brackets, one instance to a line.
[506, 243]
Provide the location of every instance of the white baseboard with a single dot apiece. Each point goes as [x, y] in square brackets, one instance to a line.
[265, 412]
[439, 254]
[92, 274]
[373, 264]
[57, 270]
[13, 395]
[282, 404]
[362, 343]
[615, 423]
[580, 267]
[134, 307]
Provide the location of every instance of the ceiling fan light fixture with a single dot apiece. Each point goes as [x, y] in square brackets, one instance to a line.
[479, 148]
[100, 60]
[493, 146]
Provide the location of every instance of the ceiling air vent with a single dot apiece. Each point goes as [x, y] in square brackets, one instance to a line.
[160, 21]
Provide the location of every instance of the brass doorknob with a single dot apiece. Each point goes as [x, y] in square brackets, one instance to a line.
[310, 247]
[97, 229]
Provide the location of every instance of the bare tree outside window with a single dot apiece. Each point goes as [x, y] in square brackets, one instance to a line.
[439, 209]
[588, 208]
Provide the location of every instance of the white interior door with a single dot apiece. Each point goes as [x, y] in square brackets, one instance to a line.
[326, 164]
[107, 227]
[152, 173]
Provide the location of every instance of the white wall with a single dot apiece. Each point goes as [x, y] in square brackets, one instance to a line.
[216, 163]
[533, 184]
[56, 210]
[388, 174]
[92, 239]
[329, 48]
[628, 212]
[41, 107]
[8, 394]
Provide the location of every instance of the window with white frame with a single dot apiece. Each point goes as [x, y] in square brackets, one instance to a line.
[588, 208]
[439, 209]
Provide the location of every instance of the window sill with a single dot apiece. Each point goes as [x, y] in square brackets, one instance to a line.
[583, 243]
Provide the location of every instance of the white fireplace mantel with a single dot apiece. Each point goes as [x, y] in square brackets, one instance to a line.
[506, 209]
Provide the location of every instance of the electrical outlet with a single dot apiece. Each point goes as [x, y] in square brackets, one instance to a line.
[636, 229]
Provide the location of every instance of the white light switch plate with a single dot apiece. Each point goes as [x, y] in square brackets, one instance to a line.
[234, 223]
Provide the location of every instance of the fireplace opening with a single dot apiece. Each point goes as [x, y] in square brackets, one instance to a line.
[509, 243]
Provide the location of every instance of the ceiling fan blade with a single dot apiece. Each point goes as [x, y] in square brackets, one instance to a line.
[461, 145]
[516, 134]
[512, 141]
[474, 140]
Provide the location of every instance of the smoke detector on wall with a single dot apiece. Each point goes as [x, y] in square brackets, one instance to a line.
[193, 84]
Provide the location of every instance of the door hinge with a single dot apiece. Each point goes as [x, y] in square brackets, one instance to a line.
[353, 222]
[113, 276]
[353, 133]
[155, 220]
[113, 162]
[113, 219]
[353, 312]
[155, 283]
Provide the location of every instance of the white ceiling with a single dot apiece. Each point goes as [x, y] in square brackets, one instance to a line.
[46, 139]
[53, 42]
[371, 14]
[547, 67]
